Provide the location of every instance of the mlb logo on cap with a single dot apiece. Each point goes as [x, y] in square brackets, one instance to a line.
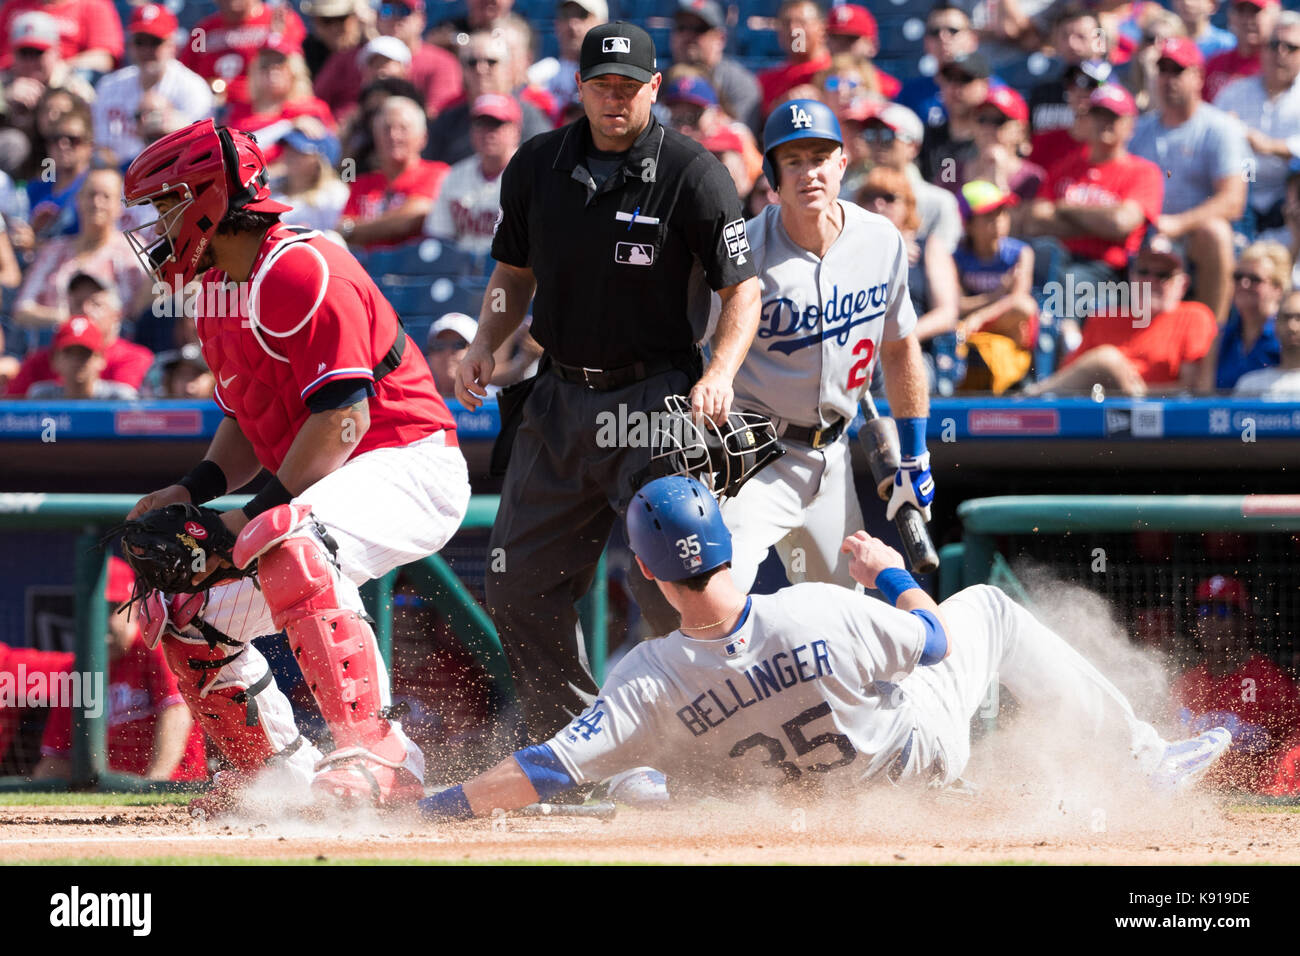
[616, 45]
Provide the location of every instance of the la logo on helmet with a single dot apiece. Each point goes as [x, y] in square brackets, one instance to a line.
[799, 117]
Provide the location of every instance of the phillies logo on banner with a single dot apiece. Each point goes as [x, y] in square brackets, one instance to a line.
[196, 530]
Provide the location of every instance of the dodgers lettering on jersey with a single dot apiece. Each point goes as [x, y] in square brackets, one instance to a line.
[823, 319]
[805, 685]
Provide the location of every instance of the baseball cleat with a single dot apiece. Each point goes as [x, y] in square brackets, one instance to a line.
[222, 798]
[355, 776]
[1186, 761]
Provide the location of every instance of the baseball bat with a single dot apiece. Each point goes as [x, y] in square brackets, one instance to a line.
[879, 437]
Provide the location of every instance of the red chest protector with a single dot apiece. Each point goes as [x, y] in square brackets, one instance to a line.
[273, 340]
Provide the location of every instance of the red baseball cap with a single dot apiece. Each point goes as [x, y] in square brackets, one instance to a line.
[497, 106]
[1222, 589]
[78, 330]
[34, 30]
[1007, 102]
[724, 140]
[153, 19]
[121, 582]
[851, 20]
[1182, 51]
[1113, 97]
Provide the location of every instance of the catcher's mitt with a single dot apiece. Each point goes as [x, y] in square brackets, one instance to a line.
[166, 547]
[722, 458]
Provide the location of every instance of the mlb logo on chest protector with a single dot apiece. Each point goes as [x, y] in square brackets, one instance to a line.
[634, 253]
[616, 45]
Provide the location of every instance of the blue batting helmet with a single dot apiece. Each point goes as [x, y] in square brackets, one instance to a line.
[797, 119]
[675, 527]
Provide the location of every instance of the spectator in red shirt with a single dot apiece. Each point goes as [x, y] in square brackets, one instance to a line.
[26, 667]
[801, 29]
[1051, 146]
[852, 29]
[1236, 686]
[231, 38]
[1155, 344]
[1251, 21]
[280, 92]
[90, 31]
[434, 71]
[124, 361]
[388, 207]
[150, 731]
[1095, 206]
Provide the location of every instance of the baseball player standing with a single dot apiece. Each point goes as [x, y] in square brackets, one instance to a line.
[321, 388]
[768, 690]
[835, 302]
[616, 228]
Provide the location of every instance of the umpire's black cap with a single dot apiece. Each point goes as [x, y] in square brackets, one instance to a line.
[619, 47]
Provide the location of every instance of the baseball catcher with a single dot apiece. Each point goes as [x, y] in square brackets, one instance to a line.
[813, 682]
[321, 391]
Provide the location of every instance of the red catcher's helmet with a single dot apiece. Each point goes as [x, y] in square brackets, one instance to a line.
[208, 170]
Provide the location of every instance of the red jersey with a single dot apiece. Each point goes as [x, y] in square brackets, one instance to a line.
[311, 315]
[1157, 351]
[373, 194]
[140, 688]
[1222, 68]
[1258, 692]
[123, 362]
[781, 79]
[229, 48]
[1054, 146]
[83, 25]
[1078, 181]
[270, 127]
[19, 664]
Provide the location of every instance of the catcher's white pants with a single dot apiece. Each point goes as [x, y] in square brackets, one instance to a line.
[805, 504]
[993, 638]
[384, 508]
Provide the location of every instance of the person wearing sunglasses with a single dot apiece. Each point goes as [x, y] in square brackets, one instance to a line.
[1147, 340]
[1283, 379]
[948, 35]
[36, 71]
[1001, 128]
[1248, 341]
[87, 35]
[963, 86]
[1202, 151]
[1269, 106]
[1055, 143]
[486, 67]
[70, 154]
[699, 40]
[154, 68]
[1080, 44]
[232, 37]
[1234, 684]
[330, 52]
[1252, 23]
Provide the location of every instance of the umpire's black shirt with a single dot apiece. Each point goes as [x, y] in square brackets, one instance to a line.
[614, 261]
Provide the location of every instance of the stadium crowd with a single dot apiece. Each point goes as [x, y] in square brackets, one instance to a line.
[1093, 194]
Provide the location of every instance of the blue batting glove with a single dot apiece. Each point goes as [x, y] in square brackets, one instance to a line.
[913, 484]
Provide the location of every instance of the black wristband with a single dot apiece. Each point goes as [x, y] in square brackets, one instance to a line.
[271, 495]
[205, 481]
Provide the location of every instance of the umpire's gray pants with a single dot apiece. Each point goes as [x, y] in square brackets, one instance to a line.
[563, 492]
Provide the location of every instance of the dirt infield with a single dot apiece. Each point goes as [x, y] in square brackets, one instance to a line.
[889, 831]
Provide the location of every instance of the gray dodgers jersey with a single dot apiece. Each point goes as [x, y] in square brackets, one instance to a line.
[822, 319]
[804, 687]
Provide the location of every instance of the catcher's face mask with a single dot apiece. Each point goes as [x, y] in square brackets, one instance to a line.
[722, 458]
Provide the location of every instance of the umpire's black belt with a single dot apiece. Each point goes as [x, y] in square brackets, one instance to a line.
[608, 379]
[816, 437]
